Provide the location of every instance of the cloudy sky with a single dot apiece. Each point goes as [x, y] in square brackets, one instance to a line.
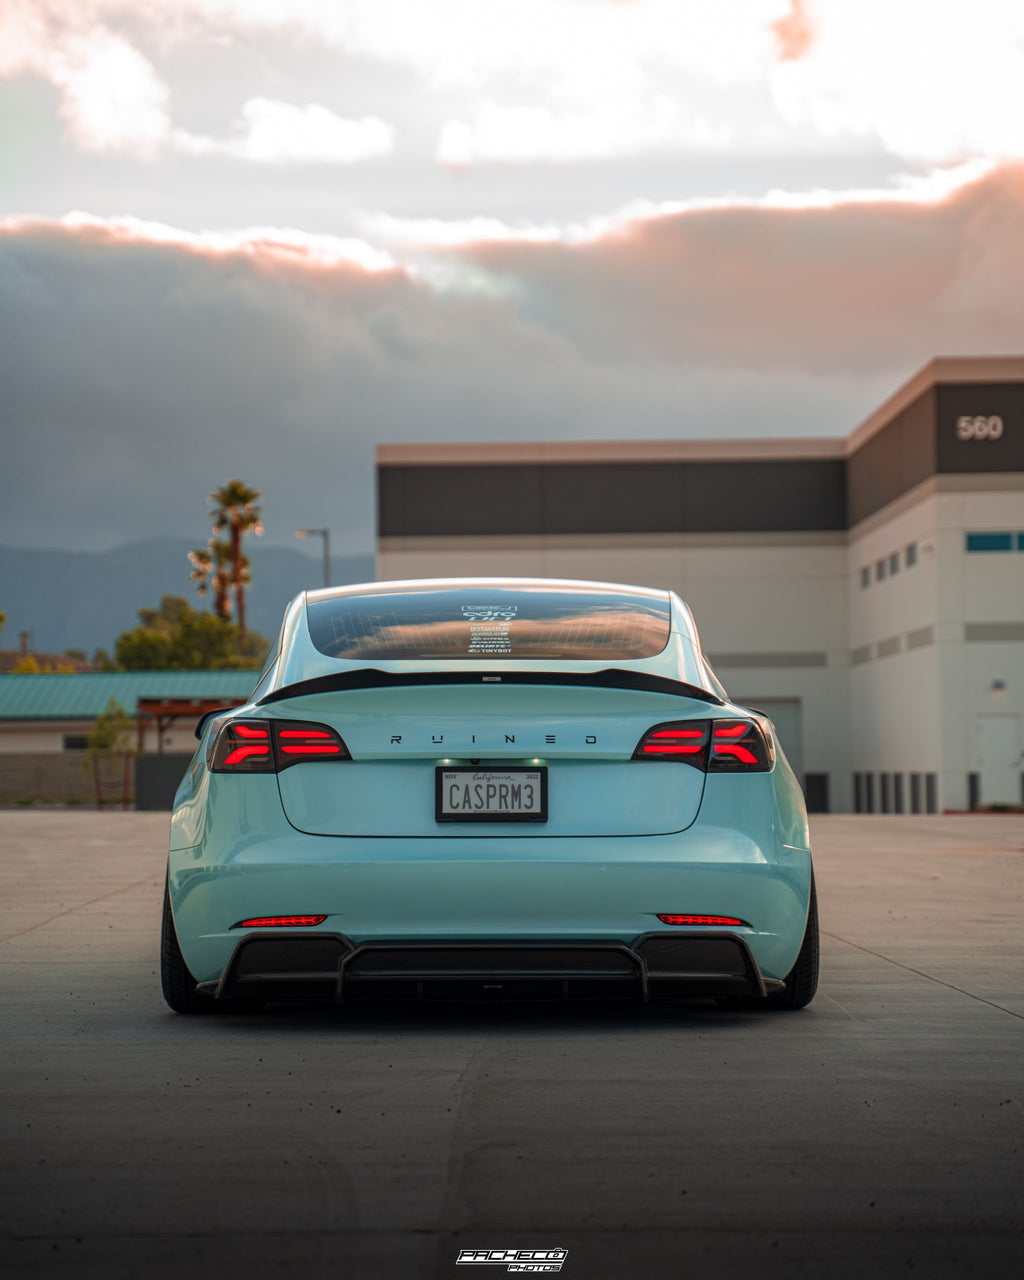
[255, 237]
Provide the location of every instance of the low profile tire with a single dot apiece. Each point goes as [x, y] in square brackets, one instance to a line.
[802, 979]
[179, 986]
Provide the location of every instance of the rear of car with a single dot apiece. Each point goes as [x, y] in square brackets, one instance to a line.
[488, 789]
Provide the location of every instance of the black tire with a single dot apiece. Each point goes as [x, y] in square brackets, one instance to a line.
[802, 979]
[179, 987]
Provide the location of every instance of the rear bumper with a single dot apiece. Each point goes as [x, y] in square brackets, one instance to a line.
[331, 967]
[738, 859]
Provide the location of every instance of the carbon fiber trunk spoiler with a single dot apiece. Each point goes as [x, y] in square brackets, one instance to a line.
[372, 678]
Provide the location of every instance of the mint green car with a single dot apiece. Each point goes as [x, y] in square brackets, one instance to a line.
[488, 789]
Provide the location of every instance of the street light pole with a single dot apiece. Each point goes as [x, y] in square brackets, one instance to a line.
[326, 535]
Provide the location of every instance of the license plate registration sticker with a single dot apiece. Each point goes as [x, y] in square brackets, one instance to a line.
[491, 795]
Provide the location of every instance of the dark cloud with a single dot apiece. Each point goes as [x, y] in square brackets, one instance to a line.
[138, 375]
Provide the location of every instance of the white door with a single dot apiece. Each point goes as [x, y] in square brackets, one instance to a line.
[999, 755]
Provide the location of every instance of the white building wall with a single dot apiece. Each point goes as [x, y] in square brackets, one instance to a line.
[896, 717]
[929, 643]
[749, 595]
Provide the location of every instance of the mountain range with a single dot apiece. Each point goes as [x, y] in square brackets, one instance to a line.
[85, 599]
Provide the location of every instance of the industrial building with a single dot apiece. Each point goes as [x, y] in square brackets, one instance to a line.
[867, 591]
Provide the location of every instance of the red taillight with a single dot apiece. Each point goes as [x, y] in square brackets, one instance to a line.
[686, 741]
[740, 745]
[680, 742]
[688, 919]
[299, 742]
[239, 754]
[279, 922]
[268, 746]
[719, 745]
[243, 746]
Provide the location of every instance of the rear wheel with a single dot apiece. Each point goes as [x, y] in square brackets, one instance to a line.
[802, 979]
[179, 986]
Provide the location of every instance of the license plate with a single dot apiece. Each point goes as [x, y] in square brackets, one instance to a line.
[491, 795]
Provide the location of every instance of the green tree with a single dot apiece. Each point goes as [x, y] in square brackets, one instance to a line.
[235, 510]
[110, 737]
[177, 637]
[143, 649]
[171, 611]
[29, 665]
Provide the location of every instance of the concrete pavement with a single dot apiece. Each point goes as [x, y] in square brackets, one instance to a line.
[880, 1132]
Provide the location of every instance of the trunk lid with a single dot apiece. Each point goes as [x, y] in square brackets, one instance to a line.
[582, 737]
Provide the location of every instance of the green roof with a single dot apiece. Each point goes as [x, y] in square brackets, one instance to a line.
[83, 695]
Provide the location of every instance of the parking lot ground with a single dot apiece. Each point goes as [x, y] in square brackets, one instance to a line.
[878, 1133]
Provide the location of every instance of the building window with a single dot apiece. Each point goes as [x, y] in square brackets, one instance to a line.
[894, 563]
[879, 570]
[915, 793]
[74, 742]
[1020, 541]
[910, 555]
[897, 793]
[865, 574]
[884, 801]
[869, 793]
[973, 791]
[988, 541]
[931, 793]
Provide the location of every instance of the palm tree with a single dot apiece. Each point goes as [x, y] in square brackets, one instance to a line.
[210, 570]
[235, 510]
[202, 566]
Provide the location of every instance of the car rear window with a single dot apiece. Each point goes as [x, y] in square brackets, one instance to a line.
[489, 623]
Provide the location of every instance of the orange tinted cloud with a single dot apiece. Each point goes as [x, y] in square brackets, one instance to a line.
[836, 287]
[794, 33]
[843, 286]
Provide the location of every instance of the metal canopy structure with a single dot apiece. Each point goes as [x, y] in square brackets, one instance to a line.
[162, 712]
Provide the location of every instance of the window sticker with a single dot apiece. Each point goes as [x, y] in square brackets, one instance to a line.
[489, 629]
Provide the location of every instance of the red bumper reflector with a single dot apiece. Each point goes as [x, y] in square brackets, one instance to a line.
[687, 919]
[275, 922]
